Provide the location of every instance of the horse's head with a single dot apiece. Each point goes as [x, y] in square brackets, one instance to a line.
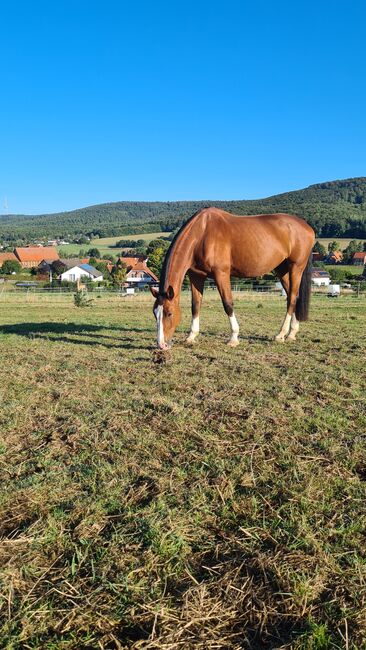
[167, 314]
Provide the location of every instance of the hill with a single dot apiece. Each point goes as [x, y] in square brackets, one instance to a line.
[334, 209]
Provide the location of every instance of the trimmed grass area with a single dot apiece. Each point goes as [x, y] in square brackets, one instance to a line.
[106, 245]
[350, 268]
[216, 500]
[342, 241]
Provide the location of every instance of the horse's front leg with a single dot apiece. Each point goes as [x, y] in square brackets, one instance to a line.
[197, 285]
[222, 280]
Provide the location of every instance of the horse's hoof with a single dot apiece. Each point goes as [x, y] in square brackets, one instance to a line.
[189, 341]
[291, 338]
[233, 344]
[279, 339]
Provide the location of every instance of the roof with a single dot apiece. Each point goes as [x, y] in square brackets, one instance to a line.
[36, 253]
[337, 255]
[7, 257]
[90, 269]
[130, 261]
[319, 273]
[141, 266]
[86, 267]
[359, 256]
[70, 262]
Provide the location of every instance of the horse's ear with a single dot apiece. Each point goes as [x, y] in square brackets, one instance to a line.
[154, 291]
[170, 293]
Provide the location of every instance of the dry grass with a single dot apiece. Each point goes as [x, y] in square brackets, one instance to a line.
[215, 501]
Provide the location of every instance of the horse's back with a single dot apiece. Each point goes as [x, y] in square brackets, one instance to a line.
[252, 245]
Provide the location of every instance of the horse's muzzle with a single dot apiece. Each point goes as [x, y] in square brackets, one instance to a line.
[164, 346]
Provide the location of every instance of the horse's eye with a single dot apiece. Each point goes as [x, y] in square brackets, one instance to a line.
[169, 314]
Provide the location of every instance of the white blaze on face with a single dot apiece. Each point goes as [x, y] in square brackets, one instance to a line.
[159, 321]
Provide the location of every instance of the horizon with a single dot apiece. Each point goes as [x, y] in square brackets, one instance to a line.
[159, 102]
[84, 207]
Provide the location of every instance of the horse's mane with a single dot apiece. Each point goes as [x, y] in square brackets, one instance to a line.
[168, 255]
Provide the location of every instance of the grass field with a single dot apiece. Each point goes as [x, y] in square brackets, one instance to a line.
[215, 501]
[106, 245]
[342, 241]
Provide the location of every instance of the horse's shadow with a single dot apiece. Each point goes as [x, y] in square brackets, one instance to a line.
[63, 332]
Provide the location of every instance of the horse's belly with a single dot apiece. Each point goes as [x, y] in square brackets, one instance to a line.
[248, 270]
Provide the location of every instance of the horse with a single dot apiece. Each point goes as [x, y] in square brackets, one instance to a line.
[217, 244]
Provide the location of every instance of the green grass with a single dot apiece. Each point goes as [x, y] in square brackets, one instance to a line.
[342, 241]
[216, 500]
[106, 245]
[350, 268]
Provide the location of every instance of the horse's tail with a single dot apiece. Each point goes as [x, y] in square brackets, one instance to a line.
[303, 300]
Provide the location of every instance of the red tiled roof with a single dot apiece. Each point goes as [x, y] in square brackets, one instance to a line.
[359, 256]
[6, 257]
[36, 253]
[336, 255]
[141, 266]
[130, 261]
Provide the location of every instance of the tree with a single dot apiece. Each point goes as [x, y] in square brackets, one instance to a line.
[333, 246]
[319, 248]
[119, 274]
[338, 275]
[81, 299]
[11, 266]
[157, 243]
[156, 260]
[353, 247]
[94, 252]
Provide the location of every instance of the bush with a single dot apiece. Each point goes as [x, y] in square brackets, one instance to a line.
[11, 266]
[81, 299]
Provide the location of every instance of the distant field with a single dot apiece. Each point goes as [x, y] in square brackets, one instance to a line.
[215, 501]
[356, 270]
[106, 245]
[343, 243]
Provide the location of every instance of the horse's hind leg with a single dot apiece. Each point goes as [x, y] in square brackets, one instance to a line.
[283, 274]
[197, 284]
[223, 284]
[291, 283]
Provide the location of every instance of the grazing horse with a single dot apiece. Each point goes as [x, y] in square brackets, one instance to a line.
[216, 244]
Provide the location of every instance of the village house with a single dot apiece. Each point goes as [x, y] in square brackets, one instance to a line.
[335, 257]
[7, 257]
[81, 271]
[138, 273]
[320, 278]
[31, 256]
[359, 259]
[318, 257]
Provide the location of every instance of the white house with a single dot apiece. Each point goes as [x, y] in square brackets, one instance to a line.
[320, 278]
[85, 271]
[140, 275]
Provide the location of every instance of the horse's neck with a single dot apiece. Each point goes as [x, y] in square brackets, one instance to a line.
[180, 262]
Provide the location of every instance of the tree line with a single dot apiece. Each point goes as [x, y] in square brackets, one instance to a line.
[333, 209]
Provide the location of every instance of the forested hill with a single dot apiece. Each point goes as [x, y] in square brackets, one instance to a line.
[336, 208]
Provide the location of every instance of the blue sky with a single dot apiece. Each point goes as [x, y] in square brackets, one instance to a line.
[155, 100]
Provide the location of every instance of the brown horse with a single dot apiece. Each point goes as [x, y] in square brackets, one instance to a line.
[216, 244]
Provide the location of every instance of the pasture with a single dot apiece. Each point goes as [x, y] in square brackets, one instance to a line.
[107, 245]
[342, 241]
[215, 501]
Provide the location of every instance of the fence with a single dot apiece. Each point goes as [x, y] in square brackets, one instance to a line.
[10, 294]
